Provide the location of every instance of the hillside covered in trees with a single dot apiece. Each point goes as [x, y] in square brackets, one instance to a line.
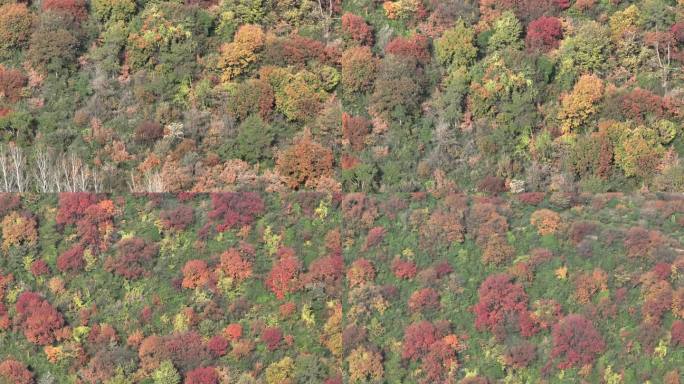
[345, 288]
[341, 95]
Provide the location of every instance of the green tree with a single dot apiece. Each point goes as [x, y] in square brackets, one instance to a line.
[588, 49]
[166, 374]
[254, 140]
[456, 47]
[506, 33]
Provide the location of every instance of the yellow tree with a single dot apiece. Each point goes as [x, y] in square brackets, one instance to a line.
[580, 104]
[237, 56]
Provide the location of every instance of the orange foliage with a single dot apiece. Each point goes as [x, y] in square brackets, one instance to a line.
[546, 221]
[18, 229]
[195, 274]
[589, 284]
[237, 56]
[304, 163]
[361, 271]
[497, 250]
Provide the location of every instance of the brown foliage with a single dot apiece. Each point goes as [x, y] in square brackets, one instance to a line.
[497, 250]
[12, 82]
[304, 163]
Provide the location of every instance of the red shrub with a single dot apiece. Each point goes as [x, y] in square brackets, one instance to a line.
[404, 269]
[232, 209]
[75, 8]
[531, 198]
[677, 31]
[375, 237]
[39, 320]
[177, 219]
[640, 103]
[72, 206]
[357, 29]
[361, 271]
[418, 338]
[576, 342]
[186, 350]
[354, 130]
[272, 337]
[416, 46]
[148, 132]
[71, 259]
[15, 372]
[641, 242]
[440, 360]
[326, 269]
[102, 335]
[499, 298]
[282, 278]
[424, 299]
[39, 268]
[235, 266]
[544, 34]
[206, 375]
[12, 81]
[217, 345]
[677, 332]
[233, 331]
[492, 185]
[132, 259]
[195, 274]
[96, 225]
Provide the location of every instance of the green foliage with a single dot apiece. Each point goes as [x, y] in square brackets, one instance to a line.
[455, 47]
[507, 32]
[166, 374]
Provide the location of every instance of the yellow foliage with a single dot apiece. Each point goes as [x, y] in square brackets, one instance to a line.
[364, 365]
[580, 104]
[17, 229]
[241, 53]
[281, 372]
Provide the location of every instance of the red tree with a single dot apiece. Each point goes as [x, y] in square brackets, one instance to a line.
[71, 259]
[575, 341]
[357, 29]
[416, 46]
[544, 34]
[177, 219]
[418, 338]
[677, 332]
[354, 130]
[39, 268]
[232, 209]
[217, 345]
[11, 83]
[423, 299]
[235, 265]
[195, 274]
[272, 337]
[39, 320]
[132, 259]
[404, 269]
[15, 372]
[499, 299]
[204, 375]
[72, 206]
[75, 8]
[282, 278]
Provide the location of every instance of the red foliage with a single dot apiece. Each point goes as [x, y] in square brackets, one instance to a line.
[96, 225]
[217, 345]
[39, 268]
[12, 81]
[640, 242]
[531, 198]
[326, 269]
[440, 360]
[499, 298]
[297, 50]
[102, 335]
[423, 299]
[71, 259]
[677, 332]
[15, 372]
[418, 338]
[133, 256]
[357, 29]
[282, 278]
[544, 34]
[9, 202]
[375, 237]
[416, 46]
[235, 265]
[404, 269]
[195, 274]
[72, 206]
[233, 331]
[576, 342]
[75, 8]
[640, 103]
[354, 130]
[492, 185]
[272, 337]
[205, 375]
[177, 219]
[39, 320]
[521, 355]
[361, 271]
[232, 209]
[677, 31]
[147, 132]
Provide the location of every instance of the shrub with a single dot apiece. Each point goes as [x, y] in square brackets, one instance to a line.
[416, 47]
[231, 209]
[39, 320]
[235, 266]
[424, 299]
[218, 346]
[233, 331]
[272, 337]
[132, 259]
[499, 298]
[204, 375]
[147, 132]
[354, 130]
[365, 366]
[12, 81]
[304, 163]
[71, 259]
[39, 268]
[195, 274]
[492, 185]
[418, 338]
[15, 26]
[15, 372]
[282, 278]
[575, 341]
[544, 34]
[546, 221]
[361, 271]
[640, 242]
[74, 8]
[520, 355]
[9, 202]
[72, 206]
[177, 219]
[358, 69]
[677, 332]
[404, 269]
[497, 250]
[356, 29]
[18, 229]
